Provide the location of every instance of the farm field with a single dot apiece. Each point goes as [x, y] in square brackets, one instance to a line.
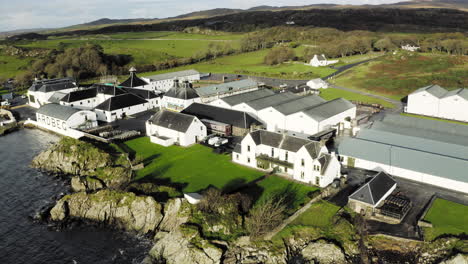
[142, 51]
[333, 93]
[435, 118]
[161, 35]
[400, 74]
[190, 169]
[10, 66]
[447, 218]
[251, 63]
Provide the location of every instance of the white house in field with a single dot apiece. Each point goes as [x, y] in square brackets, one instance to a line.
[304, 160]
[321, 60]
[438, 102]
[427, 151]
[409, 47]
[167, 128]
[317, 84]
[65, 120]
[164, 82]
[42, 91]
[180, 96]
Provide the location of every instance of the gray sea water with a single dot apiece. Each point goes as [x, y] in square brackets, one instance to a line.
[23, 191]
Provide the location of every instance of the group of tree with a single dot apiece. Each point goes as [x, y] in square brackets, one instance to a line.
[279, 55]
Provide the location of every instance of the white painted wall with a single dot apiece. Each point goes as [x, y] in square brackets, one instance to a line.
[453, 107]
[165, 85]
[81, 119]
[423, 103]
[220, 103]
[110, 116]
[41, 98]
[196, 132]
[177, 104]
[86, 104]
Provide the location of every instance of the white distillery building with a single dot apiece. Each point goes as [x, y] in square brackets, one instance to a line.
[41, 91]
[164, 82]
[167, 128]
[438, 102]
[421, 150]
[213, 92]
[121, 106]
[135, 82]
[180, 96]
[321, 60]
[304, 160]
[290, 113]
[65, 120]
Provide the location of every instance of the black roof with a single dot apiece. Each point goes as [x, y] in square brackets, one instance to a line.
[80, 95]
[182, 91]
[375, 189]
[145, 94]
[172, 120]
[51, 85]
[133, 81]
[120, 101]
[223, 115]
[283, 141]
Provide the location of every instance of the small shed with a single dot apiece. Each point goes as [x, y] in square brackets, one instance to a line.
[317, 84]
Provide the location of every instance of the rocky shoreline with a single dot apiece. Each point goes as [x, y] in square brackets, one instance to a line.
[102, 192]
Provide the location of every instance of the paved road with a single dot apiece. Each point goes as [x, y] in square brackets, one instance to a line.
[344, 68]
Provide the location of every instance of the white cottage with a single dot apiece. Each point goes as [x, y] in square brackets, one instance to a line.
[166, 128]
[304, 160]
[164, 82]
[321, 60]
[42, 91]
[65, 120]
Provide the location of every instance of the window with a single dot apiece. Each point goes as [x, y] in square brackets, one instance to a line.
[286, 156]
[302, 175]
[316, 167]
[302, 162]
[248, 148]
[89, 101]
[317, 181]
[248, 160]
[201, 128]
[237, 156]
[272, 152]
[81, 103]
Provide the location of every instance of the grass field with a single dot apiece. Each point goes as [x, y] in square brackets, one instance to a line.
[190, 169]
[333, 93]
[447, 218]
[400, 74]
[296, 194]
[251, 63]
[434, 118]
[319, 221]
[142, 51]
[10, 66]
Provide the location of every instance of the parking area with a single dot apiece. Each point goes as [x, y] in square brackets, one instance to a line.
[134, 122]
[420, 195]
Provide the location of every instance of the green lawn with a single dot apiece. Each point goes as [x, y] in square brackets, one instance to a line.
[297, 194]
[10, 66]
[320, 220]
[192, 169]
[434, 118]
[333, 93]
[447, 218]
[399, 75]
[251, 63]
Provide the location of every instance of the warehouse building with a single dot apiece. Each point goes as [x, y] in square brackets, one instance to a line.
[224, 121]
[164, 82]
[214, 92]
[421, 150]
[42, 90]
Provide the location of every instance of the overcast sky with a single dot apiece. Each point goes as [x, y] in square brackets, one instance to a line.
[22, 14]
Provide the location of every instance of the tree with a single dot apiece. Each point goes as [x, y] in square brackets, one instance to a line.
[385, 44]
[279, 55]
[266, 216]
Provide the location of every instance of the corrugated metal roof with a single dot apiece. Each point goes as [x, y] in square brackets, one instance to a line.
[272, 100]
[406, 158]
[246, 97]
[56, 97]
[60, 112]
[172, 75]
[329, 109]
[299, 104]
[226, 87]
[435, 90]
